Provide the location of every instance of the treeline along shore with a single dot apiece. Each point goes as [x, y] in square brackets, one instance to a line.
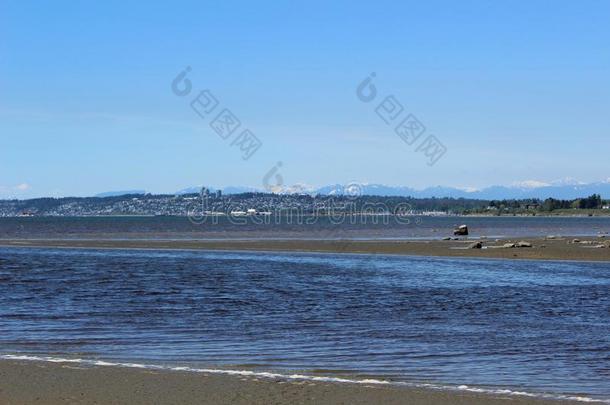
[288, 204]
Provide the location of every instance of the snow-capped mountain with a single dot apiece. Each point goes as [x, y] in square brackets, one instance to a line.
[561, 189]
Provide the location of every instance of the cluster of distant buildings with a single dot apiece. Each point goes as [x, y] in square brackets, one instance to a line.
[208, 203]
[204, 203]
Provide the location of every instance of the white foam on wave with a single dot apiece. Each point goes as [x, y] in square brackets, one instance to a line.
[277, 376]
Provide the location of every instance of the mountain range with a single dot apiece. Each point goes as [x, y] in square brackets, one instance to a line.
[119, 193]
[566, 189]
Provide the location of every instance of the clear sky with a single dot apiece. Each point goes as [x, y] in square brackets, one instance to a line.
[514, 91]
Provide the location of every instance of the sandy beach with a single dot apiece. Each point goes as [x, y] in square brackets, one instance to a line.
[564, 248]
[27, 382]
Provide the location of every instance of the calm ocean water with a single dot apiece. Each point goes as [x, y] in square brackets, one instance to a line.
[351, 227]
[541, 327]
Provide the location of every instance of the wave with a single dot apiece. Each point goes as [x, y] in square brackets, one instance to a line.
[302, 377]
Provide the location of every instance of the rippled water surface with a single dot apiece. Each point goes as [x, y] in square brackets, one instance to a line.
[534, 326]
[297, 227]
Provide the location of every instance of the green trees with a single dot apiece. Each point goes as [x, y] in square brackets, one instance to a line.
[592, 202]
[551, 204]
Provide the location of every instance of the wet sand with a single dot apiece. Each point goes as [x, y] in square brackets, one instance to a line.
[26, 382]
[542, 248]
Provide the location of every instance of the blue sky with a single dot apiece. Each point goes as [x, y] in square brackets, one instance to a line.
[514, 91]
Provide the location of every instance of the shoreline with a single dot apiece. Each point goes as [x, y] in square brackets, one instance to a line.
[597, 213]
[542, 248]
[57, 382]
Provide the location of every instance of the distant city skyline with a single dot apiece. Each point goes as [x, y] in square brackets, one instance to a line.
[87, 103]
